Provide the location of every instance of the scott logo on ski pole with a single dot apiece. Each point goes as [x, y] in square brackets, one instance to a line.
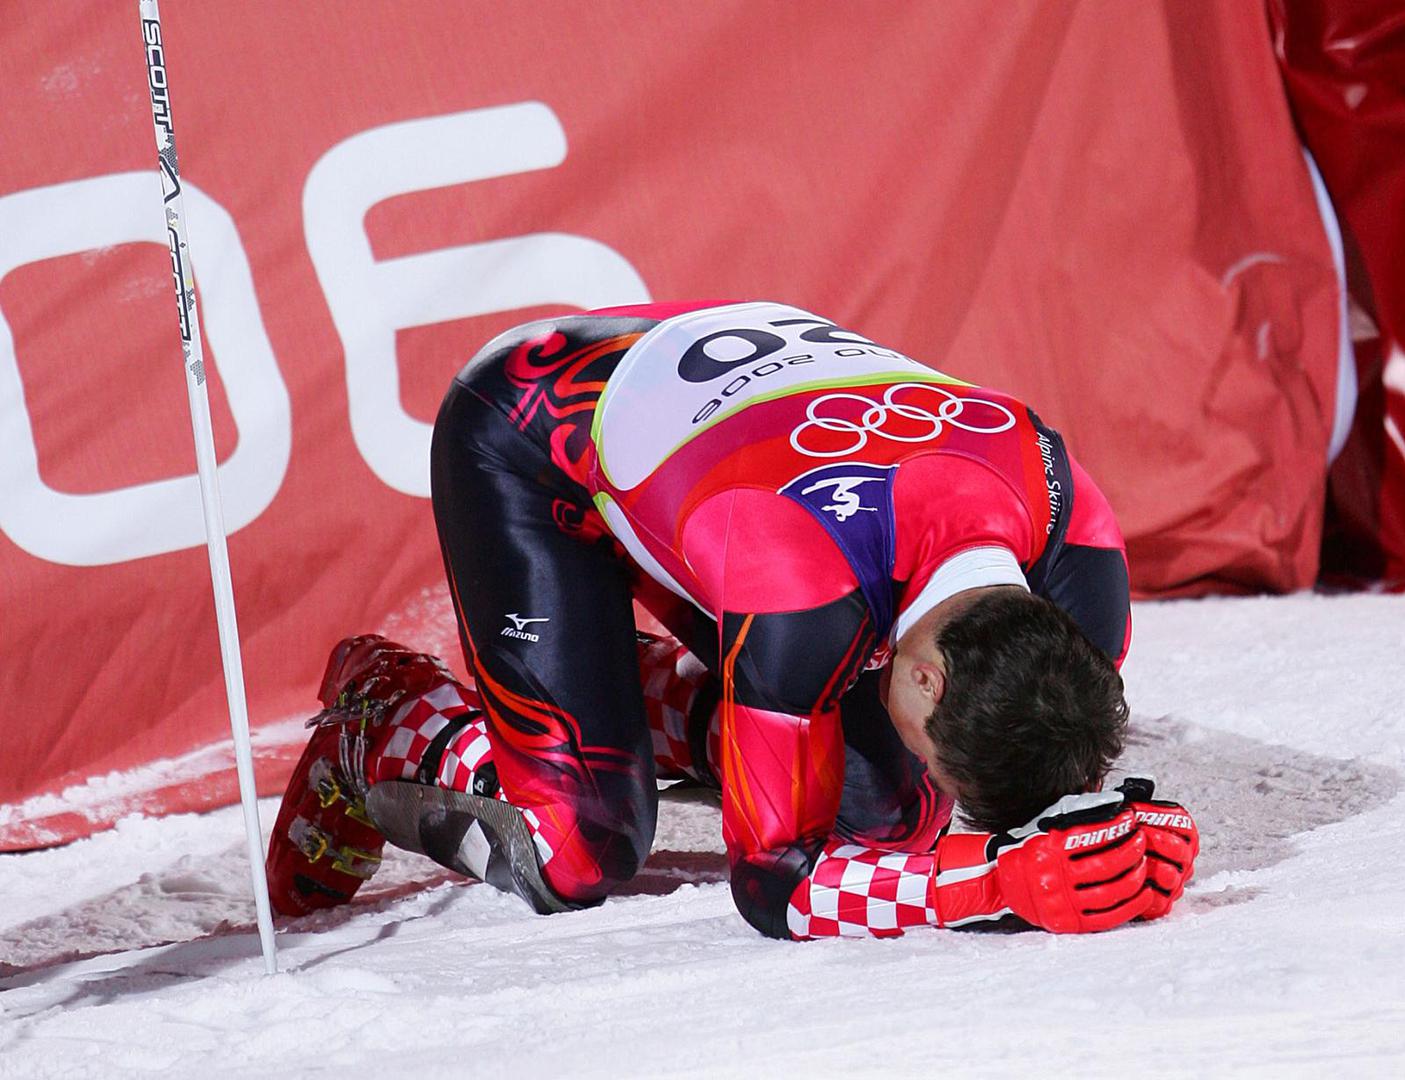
[156, 74]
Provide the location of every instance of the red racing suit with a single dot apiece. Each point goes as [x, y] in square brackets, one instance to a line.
[812, 494]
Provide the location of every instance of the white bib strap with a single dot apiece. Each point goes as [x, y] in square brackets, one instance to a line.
[974, 568]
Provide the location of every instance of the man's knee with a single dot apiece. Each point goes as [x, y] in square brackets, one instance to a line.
[590, 847]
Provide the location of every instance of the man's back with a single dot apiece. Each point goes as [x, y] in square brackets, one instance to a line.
[754, 457]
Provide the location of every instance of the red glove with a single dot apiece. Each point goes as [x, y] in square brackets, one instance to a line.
[1079, 866]
[1172, 842]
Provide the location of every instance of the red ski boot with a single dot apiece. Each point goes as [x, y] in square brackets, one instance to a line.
[324, 845]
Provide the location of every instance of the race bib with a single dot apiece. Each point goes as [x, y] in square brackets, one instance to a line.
[694, 371]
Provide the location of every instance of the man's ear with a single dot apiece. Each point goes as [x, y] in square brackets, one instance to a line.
[930, 680]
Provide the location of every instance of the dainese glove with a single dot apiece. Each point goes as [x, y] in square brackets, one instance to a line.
[1172, 842]
[1079, 866]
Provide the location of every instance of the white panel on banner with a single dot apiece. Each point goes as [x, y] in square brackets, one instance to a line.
[371, 299]
[162, 515]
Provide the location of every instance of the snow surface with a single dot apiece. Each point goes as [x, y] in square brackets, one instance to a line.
[1280, 722]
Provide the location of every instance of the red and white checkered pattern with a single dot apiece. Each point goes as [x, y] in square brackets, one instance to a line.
[414, 725]
[464, 756]
[857, 891]
[539, 839]
[671, 677]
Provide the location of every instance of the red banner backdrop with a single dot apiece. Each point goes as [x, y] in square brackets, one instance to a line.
[1344, 66]
[1101, 207]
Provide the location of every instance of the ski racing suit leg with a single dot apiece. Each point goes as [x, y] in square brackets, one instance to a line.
[543, 600]
[393, 714]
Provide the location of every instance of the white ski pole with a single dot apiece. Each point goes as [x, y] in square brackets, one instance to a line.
[206, 464]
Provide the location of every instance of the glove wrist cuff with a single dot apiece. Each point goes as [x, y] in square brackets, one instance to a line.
[965, 886]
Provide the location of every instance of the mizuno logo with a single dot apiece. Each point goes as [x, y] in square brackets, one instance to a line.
[1099, 836]
[518, 627]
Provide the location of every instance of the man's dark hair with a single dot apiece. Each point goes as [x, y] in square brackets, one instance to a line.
[1032, 709]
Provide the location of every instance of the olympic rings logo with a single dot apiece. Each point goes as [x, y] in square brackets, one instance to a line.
[876, 415]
